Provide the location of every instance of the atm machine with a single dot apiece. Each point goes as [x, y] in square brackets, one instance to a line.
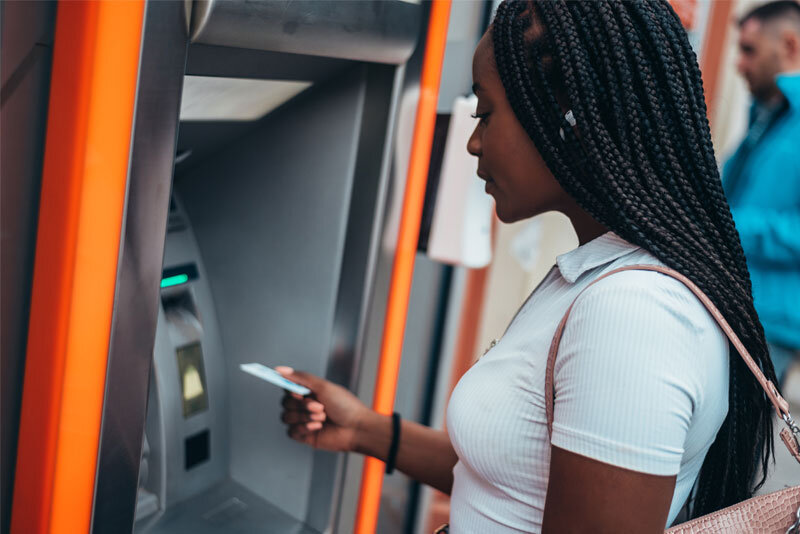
[280, 115]
[264, 261]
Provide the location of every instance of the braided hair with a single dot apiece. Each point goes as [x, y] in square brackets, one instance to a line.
[643, 165]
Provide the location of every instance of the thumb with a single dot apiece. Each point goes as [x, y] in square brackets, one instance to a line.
[312, 382]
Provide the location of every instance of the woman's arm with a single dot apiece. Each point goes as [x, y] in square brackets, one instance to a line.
[336, 420]
[585, 495]
[642, 361]
[424, 454]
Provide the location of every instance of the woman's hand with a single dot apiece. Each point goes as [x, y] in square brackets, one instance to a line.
[328, 419]
[333, 419]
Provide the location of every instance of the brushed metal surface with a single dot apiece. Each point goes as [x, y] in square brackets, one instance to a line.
[269, 214]
[367, 152]
[26, 52]
[380, 31]
[359, 260]
[162, 62]
[228, 508]
[227, 62]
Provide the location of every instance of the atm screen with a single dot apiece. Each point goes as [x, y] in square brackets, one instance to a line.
[193, 379]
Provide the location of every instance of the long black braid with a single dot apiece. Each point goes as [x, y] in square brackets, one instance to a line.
[643, 165]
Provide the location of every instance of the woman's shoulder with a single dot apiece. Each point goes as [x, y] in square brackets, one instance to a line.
[639, 346]
[646, 316]
[652, 293]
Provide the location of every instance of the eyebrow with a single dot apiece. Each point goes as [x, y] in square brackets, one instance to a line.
[476, 87]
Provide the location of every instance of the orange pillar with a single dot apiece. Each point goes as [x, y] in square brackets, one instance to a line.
[403, 268]
[719, 22]
[84, 181]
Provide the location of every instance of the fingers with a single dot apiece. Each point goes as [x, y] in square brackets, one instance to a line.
[291, 401]
[302, 413]
[305, 433]
[295, 417]
[301, 433]
[312, 382]
[284, 370]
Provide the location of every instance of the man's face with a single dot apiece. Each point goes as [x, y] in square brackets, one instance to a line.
[759, 59]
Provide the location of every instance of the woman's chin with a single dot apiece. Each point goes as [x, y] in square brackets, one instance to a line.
[505, 216]
[508, 215]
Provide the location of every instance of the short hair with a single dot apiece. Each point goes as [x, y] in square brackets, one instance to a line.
[774, 11]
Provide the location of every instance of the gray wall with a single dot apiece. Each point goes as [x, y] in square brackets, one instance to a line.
[269, 214]
[26, 42]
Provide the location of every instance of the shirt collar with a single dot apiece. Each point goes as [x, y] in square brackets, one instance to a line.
[599, 251]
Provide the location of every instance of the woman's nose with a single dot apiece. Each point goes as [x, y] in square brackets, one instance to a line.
[474, 143]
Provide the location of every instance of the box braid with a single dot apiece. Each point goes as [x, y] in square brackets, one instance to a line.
[642, 164]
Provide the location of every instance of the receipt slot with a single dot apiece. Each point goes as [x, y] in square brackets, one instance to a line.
[260, 163]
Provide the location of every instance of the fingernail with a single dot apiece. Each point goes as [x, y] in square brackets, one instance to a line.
[284, 370]
[315, 406]
[314, 425]
[317, 416]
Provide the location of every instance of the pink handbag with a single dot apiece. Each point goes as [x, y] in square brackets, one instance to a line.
[775, 512]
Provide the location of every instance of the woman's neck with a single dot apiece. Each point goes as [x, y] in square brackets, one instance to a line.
[586, 227]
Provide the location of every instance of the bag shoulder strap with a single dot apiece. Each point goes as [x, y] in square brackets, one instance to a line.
[789, 435]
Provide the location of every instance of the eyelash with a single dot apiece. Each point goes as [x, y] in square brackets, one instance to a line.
[481, 116]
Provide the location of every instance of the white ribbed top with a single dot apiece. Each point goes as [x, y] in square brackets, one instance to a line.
[641, 380]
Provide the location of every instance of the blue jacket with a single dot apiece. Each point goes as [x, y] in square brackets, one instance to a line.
[766, 211]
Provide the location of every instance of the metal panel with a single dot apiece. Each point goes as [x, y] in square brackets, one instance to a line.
[228, 508]
[205, 60]
[133, 327]
[180, 249]
[269, 214]
[27, 48]
[359, 262]
[333, 130]
[381, 31]
[27, 32]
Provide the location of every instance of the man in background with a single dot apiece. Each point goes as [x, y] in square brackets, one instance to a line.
[762, 178]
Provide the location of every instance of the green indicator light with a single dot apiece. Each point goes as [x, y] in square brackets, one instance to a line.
[176, 280]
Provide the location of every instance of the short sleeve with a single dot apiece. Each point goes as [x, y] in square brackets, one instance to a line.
[637, 351]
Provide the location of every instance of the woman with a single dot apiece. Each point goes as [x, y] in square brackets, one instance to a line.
[596, 110]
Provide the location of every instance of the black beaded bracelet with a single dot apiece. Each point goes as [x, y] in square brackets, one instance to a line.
[395, 443]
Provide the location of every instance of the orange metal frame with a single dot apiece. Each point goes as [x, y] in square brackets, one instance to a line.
[403, 269]
[718, 25]
[84, 181]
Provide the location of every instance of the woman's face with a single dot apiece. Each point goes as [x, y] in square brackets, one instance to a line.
[515, 173]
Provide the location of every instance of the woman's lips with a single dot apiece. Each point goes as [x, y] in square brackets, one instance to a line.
[490, 185]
